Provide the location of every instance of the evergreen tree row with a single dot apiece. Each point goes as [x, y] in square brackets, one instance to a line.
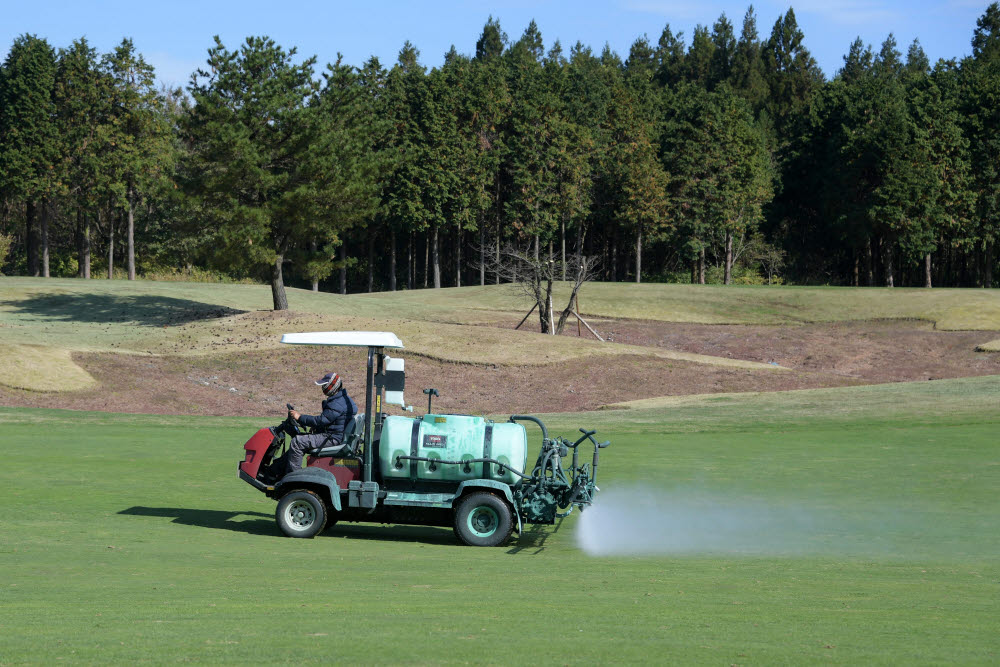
[729, 158]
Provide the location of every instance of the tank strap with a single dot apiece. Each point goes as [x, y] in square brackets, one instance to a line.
[414, 448]
[487, 449]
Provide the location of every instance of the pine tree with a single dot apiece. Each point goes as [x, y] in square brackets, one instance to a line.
[670, 55]
[265, 164]
[721, 175]
[401, 198]
[857, 63]
[791, 73]
[489, 103]
[986, 37]
[724, 53]
[83, 112]
[139, 134]
[747, 69]
[940, 200]
[587, 104]
[634, 173]
[699, 57]
[348, 152]
[491, 42]
[530, 46]
[981, 95]
[29, 145]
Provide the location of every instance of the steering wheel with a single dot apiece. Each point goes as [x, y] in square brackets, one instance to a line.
[292, 421]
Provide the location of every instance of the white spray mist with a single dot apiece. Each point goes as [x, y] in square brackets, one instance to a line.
[641, 521]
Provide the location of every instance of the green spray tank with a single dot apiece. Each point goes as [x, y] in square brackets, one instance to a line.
[465, 471]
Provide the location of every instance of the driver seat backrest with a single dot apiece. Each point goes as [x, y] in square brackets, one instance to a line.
[353, 432]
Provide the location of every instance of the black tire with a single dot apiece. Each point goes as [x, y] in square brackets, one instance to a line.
[483, 520]
[301, 513]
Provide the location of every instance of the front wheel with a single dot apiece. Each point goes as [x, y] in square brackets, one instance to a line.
[301, 514]
[483, 520]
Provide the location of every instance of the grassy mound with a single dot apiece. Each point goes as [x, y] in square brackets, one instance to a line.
[41, 369]
[170, 318]
[991, 346]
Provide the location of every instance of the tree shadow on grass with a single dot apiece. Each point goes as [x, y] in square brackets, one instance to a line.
[211, 519]
[148, 311]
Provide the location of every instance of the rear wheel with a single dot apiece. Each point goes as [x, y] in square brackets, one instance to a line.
[301, 514]
[483, 520]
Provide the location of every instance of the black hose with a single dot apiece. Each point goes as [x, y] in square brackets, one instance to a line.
[545, 433]
[503, 466]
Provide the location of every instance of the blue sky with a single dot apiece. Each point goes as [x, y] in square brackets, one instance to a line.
[175, 35]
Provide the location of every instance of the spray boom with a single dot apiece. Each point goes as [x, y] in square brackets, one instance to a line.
[552, 486]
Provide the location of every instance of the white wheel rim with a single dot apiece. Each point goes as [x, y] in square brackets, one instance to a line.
[300, 515]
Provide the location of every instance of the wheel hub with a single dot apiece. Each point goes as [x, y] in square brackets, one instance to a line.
[301, 514]
[483, 521]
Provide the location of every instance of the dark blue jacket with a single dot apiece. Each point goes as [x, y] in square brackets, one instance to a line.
[338, 410]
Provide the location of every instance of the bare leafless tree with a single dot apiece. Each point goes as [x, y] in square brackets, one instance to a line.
[535, 277]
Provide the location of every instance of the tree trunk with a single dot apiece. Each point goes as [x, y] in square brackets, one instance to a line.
[436, 260]
[392, 260]
[45, 238]
[869, 262]
[312, 248]
[694, 271]
[458, 257]
[536, 248]
[496, 274]
[927, 271]
[976, 271]
[79, 243]
[131, 234]
[857, 269]
[278, 295]
[551, 331]
[482, 254]
[427, 258]
[888, 265]
[410, 269]
[728, 278]
[343, 266]
[31, 238]
[638, 255]
[543, 299]
[371, 260]
[604, 256]
[701, 266]
[614, 257]
[111, 246]
[562, 235]
[987, 264]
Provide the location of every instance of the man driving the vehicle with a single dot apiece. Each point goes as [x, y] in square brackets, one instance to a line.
[338, 410]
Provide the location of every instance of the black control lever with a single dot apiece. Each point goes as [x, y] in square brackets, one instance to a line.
[430, 393]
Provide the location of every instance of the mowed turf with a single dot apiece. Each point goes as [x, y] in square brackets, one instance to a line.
[129, 539]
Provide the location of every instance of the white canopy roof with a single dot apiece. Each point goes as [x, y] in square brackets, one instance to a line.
[345, 338]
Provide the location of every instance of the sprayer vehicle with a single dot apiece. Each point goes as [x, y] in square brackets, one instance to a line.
[462, 471]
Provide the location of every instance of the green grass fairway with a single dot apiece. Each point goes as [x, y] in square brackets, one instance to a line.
[129, 539]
